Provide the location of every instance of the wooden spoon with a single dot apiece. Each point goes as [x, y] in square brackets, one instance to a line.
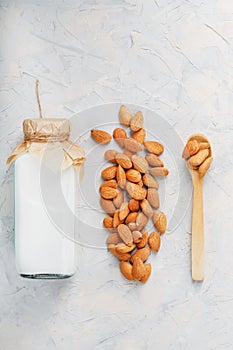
[197, 217]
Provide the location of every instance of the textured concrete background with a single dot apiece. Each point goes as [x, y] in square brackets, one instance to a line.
[174, 57]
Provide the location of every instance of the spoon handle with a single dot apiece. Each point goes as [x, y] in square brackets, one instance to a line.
[197, 232]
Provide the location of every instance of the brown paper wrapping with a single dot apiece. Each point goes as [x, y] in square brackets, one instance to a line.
[52, 132]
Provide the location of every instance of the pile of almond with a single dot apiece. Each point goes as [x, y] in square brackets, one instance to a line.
[197, 155]
[129, 195]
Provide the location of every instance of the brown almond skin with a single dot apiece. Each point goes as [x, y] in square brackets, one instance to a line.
[119, 135]
[126, 270]
[154, 147]
[125, 234]
[140, 163]
[150, 181]
[159, 171]
[203, 168]
[153, 197]
[147, 274]
[129, 154]
[113, 238]
[109, 183]
[137, 121]
[133, 175]
[143, 254]
[120, 256]
[146, 207]
[109, 155]
[123, 248]
[125, 115]
[119, 199]
[203, 145]
[153, 160]
[131, 217]
[141, 221]
[108, 206]
[160, 221]
[137, 236]
[124, 210]
[109, 173]
[123, 161]
[144, 239]
[199, 158]
[132, 145]
[135, 191]
[108, 222]
[191, 148]
[139, 135]
[139, 269]
[121, 177]
[101, 136]
[133, 205]
[154, 241]
[108, 192]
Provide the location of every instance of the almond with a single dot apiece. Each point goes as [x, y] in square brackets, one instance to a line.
[116, 219]
[132, 145]
[124, 210]
[125, 234]
[153, 197]
[113, 238]
[133, 205]
[139, 269]
[108, 192]
[141, 221]
[121, 177]
[119, 199]
[120, 256]
[137, 121]
[154, 241]
[140, 163]
[101, 136]
[146, 207]
[154, 147]
[205, 166]
[198, 158]
[109, 173]
[126, 270]
[140, 183]
[109, 183]
[132, 226]
[137, 235]
[139, 135]
[125, 115]
[191, 148]
[143, 254]
[123, 161]
[147, 274]
[143, 240]
[110, 155]
[108, 206]
[108, 222]
[203, 145]
[131, 217]
[159, 171]
[135, 191]
[119, 135]
[160, 221]
[153, 160]
[133, 175]
[150, 181]
[123, 248]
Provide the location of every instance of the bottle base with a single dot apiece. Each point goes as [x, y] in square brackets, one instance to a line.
[45, 276]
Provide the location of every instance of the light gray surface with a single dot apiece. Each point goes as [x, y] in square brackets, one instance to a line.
[174, 57]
